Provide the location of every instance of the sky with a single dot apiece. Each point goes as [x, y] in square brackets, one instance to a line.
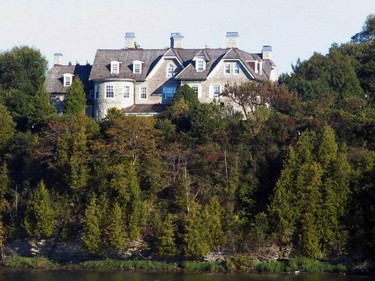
[77, 28]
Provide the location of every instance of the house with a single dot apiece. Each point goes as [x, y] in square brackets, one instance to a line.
[60, 77]
[144, 81]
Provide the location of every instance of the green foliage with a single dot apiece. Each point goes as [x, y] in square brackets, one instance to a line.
[116, 228]
[7, 129]
[204, 266]
[40, 218]
[368, 31]
[16, 261]
[311, 195]
[91, 227]
[75, 99]
[166, 237]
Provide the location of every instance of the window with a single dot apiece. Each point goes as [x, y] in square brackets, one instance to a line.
[115, 67]
[200, 65]
[217, 91]
[237, 68]
[195, 89]
[137, 67]
[227, 68]
[170, 70]
[96, 92]
[143, 93]
[68, 79]
[168, 92]
[126, 91]
[109, 92]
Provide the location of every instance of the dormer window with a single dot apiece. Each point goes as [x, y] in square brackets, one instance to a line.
[200, 65]
[137, 67]
[170, 70]
[68, 78]
[115, 67]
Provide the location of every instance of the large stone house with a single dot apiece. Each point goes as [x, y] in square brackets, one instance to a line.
[143, 81]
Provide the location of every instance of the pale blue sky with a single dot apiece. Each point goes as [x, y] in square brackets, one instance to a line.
[294, 28]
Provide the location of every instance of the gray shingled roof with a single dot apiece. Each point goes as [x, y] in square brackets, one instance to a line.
[145, 109]
[55, 76]
[150, 57]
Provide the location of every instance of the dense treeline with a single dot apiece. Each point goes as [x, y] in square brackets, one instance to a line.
[298, 171]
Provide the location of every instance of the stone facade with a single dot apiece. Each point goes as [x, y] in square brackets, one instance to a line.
[128, 77]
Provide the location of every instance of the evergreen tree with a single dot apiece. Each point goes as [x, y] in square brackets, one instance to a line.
[40, 218]
[43, 111]
[116, 228]
[75, 99]
[91, 227]
[166, 244]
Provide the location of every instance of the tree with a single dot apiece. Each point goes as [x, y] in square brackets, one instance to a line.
[7, 129]
[40, 218]
[368, 31]
[91, 227]
[22, 74]
[75, 99]
[166, 237]
[248, 95]
[43, 111]
[310, 199]
[116, 228]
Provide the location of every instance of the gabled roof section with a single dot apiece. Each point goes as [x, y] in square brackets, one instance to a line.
[55, 77]
[202, 53]
[190, 73]
[101, 66]
[172, 53]
[152, 57]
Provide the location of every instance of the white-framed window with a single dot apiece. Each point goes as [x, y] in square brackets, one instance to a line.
[109, 92]
[68, 79]
[126, 91]
[227, 68]
[170, 70]
[168, 93]
[143, 95]
[137, 67]
[115, 67]
[217, 91]
[237, 68]
[200, 65]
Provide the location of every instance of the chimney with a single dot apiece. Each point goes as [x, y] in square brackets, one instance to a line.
[177, 40]
[232, 39]
[130, 40]
[267, 52]
[57, 58]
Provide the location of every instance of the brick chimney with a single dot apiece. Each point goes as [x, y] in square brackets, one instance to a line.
[130, 40]
[267, 52]
[57, 58]
[176, 40]
[232, 39]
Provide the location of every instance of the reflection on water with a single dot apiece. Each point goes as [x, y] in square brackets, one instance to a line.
[70, 275]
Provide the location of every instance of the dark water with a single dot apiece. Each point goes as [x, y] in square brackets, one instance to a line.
[66, 275]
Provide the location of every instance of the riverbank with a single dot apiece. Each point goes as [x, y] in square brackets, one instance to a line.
[232, 264]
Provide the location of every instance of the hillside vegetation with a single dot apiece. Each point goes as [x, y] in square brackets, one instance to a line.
[298, 172]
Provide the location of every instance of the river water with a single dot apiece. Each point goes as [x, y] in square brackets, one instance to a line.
[78, 275]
